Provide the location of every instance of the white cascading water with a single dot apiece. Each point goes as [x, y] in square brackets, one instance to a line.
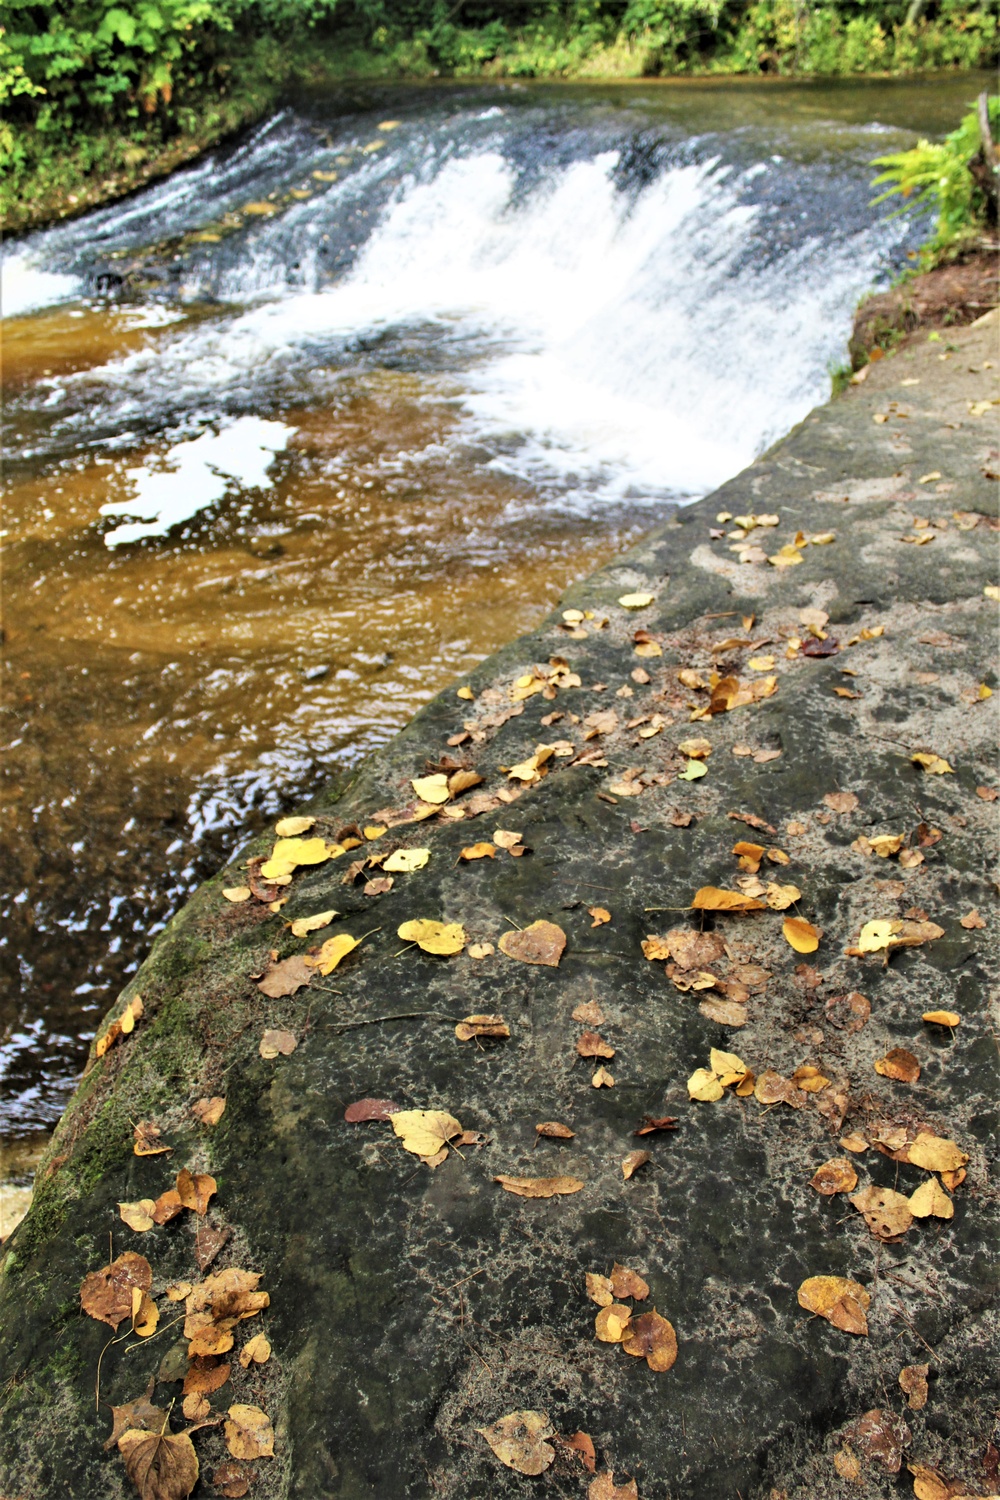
[620, 346]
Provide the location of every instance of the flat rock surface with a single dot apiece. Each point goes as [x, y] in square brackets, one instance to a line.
[412, 1304]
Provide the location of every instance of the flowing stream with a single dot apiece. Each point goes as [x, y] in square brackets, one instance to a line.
[304, 431]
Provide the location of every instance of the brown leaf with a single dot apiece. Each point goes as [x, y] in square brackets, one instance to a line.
[725, 1012]
[107, 1294]
[600, 915]
[539, 1187]
[839, 1300]
[213, 1308]
[752, 821]
[834, 1176]
[913, 1379]
[899, 1064]
[928, 1484]
[848, 1012]
[482, 1025]
[230, 1481]
[971, 921]
[138, 1215]
[205, 1375]
[286, 977]
[711, 898]
[592, 1045]
[478, 851]
[841, 802]
[370, 1109]
[207, 1244]
[208, 1111]
[653, 1338]
[648, 1125]
[589, 1013]
[167, 1206]
[881, 1436]
[604, 1488]
[988, 793]
[582, 1444]
[195, 1190]
[886, 1212]
[844, 1461]
[541, 943]
[161, 1465]
[602, 1079]
[255, 1351]
[771, 1088]
[691, 949]
[277, 1043]
[626, 1283]
[139, 1415]
[554, 1131]
[519, 1440]
[379, 886]
[632, 1162]
[148, 1140]
[196, 1408]
[249, 1433]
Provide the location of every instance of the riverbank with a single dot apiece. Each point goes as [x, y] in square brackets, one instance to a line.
[847, 746]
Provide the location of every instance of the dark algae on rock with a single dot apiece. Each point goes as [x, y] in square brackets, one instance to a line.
[804, 667]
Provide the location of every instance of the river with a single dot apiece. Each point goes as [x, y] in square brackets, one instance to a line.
[300, 433]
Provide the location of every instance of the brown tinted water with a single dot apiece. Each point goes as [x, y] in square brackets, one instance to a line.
[166, 697]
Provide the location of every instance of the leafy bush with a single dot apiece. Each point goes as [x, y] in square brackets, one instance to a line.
[942, 177]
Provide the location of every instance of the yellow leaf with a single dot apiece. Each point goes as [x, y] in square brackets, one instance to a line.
[139, 1215]
[518, 1440]
[304, 925]
[425, 1132]
[761, 663]
[929, 1200]
[145, 1314]
[249, 1433]
[876, 935]
[611, 1323]
[432, 788]
[237, 893]
[942, 1017]
[255, 1351]
[290, 828]
[800, 934]
[935, 1153]
[325, 176]
[693, 771]
[697, 749]
[712, 898]
[599, 1288]
[704, 1086]
[983, 691]
[405, 861]
[332, 951]
[727, 1066]
[636, 601]
[934, 765]
[478, 851]
[466, 693]
[781, 897]
[442, 938]
[537, 1187]
[288, 854]
[810, 1079]
[841, 1301]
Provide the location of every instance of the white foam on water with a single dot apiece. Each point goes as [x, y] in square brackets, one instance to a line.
[24, 288]
[195, 474]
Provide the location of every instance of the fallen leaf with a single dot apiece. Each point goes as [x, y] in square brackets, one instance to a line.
[931, 1201]
[934, 765]
[987, 793]
[291, 828]
[886, 1212]
[834, 1176]
[971, 921]
[884, 934]
[255, 1351]
[592, 1045]
[209, 1111]
[230, 1481]
[648, 1125]
[848, 1012]
[935, 1153]
[288, 854]
[913, 1380]
[277, 1043]
[853, 1142]
[612, 1322]
[237, 893]
[196, 1408]
[148, 1140]
[332, 952]
[216, 1305]
[370, 1109]
[425, 1132]
[693, 771]
[553, 1130]
[781, 897]
[582, 1445]
[478, 851]
[136, 1416]
[839, 1300]
[653, 1338]
[636, 601]
[541, 943]
[704, 1086]
[195, 1190]
[481, 1025]
[204, 1376]
[630, 1165]
[772, 1088]
[161, 1465]
[167, 1206]
[248, 1432]
[539, 1187]
[139, 1215]
[405, 861]
[898, 1064]
[505, 839]
[599, 1289]
[844, 1461]
[881, 1437]
[600, 915]
[800, 934]
[604, 1488]
[841, 802]
[602, 1079]
[725, 1012]
[727, 1067]
[942, 1017]
[480, 950]
[810, 1079]
[519, 1440]
[286, 977]
[929, 1485]
[432, 789]
[302, 926]
[712, 898]
[750, 855]
[441, 938]
[207, 1243]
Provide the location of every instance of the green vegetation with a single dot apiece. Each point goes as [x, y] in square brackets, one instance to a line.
[956, 179]
[98, 96]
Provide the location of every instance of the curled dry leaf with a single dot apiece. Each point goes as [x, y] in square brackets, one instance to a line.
[292, 828]
[947, 1018]
[539, 1187]
[286, 977]
[481, 1025]
[216, 1305]
[207, 1243]
[425, 1132]
[195, 1189]
[147, 1140]
[881, 1437]
[520, 1440]
[934, 765]
[139, 1215]
[230, 1481]
[604, 1488]
[834, 1176]
[599, 1289]
[332, 951]
[913, 1380]
[712, 898]
[632, 1162]
[591, 1044]
[161, 1465]
[582, 1444]
[800, 934]
[248, 1432]
[124, 1025]
[553, 1130]
[839, 1300]
[772, 1088]
[480, 950]
[600, 915]
[405, 861]
[899, 1064]
[930, 1200]
[255, 1351]
[440, 938]
[810, 1079]
[209, 1111]
[237, 893]
[107, 1294]
[886, 1212]
[627, 1283]
[636, 601]
[302, 926]
[651, 1337]
[478, 851]
[136, 1416]
[541, 943]
[971, 921]
[649, 1125]
[277, 1043]
[611, 1323]
[602, 1079]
